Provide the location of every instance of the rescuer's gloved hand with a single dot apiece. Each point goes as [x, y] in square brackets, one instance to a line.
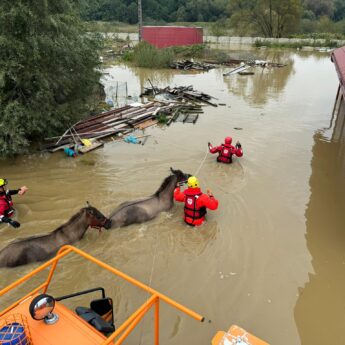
[14, 223]
[238, 145]
[10, 221]
[209, 145]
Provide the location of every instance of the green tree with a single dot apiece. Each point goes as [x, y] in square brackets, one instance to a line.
[48, 70]
[271, 18]
[320, 7]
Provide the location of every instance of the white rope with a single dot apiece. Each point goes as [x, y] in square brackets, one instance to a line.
[155, 251]
[201, 164]
[150, 281]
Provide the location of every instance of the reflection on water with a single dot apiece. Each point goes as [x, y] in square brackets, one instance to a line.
[247, 262]
[319, 310]
[267, 83]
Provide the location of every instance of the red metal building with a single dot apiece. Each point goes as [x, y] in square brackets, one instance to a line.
[167, 36]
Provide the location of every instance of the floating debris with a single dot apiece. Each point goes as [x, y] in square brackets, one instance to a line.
[180, 93]
[236, 70]
[191, 65]
[120, 120]
[85, 135]
[250, 62]
[246, 73]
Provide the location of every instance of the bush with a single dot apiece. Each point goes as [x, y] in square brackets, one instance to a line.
[146, 55]
[192, 51]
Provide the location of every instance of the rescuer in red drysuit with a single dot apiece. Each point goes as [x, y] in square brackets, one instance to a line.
[226, 150]
[6, 203]
[195, 202]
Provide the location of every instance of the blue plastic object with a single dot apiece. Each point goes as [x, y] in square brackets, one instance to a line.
[131, 139]
[13, 334]
[69, 152]
[110, 102]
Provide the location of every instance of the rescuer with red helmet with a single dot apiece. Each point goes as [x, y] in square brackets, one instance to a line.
[6, 203]
[226, 150]
[195, 202]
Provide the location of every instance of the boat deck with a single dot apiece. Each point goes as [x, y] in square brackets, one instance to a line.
[70, 329]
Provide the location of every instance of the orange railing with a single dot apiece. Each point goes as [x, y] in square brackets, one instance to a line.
[125, 329]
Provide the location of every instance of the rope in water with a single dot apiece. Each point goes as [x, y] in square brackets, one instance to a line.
[201, 164]
[156, 242]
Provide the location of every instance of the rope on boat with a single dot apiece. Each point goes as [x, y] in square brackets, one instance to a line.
[150, 282]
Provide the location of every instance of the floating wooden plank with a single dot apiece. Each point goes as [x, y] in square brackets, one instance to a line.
[95, 145]
[146, 124]
[236, 70]
[246, 73]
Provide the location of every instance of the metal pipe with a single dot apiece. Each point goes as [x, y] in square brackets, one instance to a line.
[157, 322]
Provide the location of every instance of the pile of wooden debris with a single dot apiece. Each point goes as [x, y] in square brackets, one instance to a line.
[180, 94]
[191, 65]
[183, 104]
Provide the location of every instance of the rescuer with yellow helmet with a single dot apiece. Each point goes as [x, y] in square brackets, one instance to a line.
[195, 202]
[6, 203]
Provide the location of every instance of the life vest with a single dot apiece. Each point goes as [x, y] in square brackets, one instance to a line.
[191, 210]
[7, 199]
[225, 155]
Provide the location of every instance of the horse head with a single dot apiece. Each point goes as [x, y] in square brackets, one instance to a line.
[95, 218]
[181, 176]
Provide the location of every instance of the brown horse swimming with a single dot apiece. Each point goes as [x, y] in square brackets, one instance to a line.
[39, 248]
[142, 210]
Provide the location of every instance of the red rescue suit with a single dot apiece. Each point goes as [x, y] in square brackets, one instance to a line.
[195, 203]
[225, 152]
[6, 203]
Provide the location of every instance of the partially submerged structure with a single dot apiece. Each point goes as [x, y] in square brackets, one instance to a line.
[169, 36]
[84, 136]
[338, 58]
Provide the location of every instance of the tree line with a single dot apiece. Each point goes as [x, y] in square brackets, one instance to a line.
[270, 18]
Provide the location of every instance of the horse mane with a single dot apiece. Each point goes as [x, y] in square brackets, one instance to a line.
[164, 184]
[71, 220]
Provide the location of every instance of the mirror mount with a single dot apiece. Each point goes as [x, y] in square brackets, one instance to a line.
[51, 318]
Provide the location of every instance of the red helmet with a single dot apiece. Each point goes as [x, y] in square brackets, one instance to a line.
[228, 141]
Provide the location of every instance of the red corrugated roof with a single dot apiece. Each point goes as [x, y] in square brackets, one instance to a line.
[338, 57]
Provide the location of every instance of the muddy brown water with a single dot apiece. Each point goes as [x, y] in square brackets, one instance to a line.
[271, 258]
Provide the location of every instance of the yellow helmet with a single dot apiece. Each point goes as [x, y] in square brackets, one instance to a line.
[3, 182]
[193, 182]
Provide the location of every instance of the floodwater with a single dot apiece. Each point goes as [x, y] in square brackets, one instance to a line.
[271, 258]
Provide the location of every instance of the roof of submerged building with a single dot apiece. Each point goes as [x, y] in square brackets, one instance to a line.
[338, 58]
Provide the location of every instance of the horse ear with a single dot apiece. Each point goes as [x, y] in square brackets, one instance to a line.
[172, 170]
[88, 204]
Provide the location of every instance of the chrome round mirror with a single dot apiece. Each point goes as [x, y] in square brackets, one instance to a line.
[42, 307]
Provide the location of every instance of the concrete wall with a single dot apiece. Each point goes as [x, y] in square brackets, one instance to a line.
[227, 40]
